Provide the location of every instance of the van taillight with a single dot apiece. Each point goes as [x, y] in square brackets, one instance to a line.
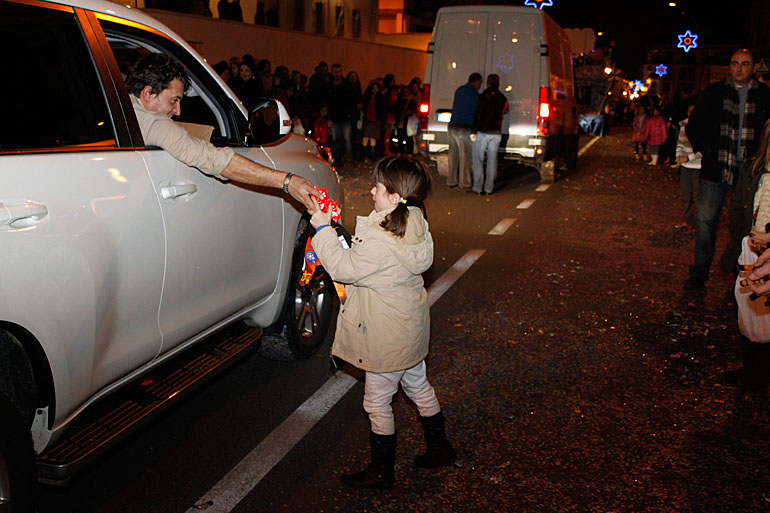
[424, 107]
[544, 112]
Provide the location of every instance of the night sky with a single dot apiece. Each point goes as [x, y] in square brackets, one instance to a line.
[645, 24]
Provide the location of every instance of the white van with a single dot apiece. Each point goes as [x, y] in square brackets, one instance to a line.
[532, 56]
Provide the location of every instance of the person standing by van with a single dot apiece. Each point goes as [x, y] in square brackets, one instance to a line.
[459, 131]
[486, 132]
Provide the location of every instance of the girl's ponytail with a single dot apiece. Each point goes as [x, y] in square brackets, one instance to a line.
[408, 178]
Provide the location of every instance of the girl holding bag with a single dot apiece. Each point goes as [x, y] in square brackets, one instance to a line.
[750, 285]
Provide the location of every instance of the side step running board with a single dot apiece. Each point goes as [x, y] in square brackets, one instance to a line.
[136, 404]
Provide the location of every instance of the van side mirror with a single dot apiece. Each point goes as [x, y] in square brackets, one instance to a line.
[269, 121]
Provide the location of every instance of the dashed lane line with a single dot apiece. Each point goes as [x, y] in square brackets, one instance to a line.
[588, 145]
[224, 496]
[501, 227]
[525, 204]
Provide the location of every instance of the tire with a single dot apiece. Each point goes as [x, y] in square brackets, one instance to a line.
[310, 310]
[18, 481]
[572, 152]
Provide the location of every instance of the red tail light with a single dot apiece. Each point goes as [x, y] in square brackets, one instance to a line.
[424, 107]
[543, 112]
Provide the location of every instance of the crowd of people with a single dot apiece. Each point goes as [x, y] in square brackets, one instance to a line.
[333, 107]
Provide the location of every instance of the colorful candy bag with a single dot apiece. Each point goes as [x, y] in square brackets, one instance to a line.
[311, 259]
[325, 202]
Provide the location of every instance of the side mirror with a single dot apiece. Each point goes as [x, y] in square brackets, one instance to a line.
[269, 121]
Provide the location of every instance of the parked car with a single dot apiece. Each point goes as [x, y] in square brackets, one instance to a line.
[531, 54]
[127, 277]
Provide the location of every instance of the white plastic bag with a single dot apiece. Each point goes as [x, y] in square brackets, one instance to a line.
[753, 316]
[412, 125]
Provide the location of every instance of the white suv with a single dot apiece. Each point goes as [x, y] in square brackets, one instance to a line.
[126, 277]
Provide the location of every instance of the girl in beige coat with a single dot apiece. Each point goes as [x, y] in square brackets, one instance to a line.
[384, 325]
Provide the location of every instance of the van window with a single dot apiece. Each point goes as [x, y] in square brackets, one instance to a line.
[461, 41]
[51, 93]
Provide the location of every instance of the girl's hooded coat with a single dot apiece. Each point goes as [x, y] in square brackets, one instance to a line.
[384, 325]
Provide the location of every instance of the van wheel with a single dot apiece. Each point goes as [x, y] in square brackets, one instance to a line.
[572, 152]
[310, 309]
[18, 482]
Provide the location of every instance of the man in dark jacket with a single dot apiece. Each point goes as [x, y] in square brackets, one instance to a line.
[724, 127]
[486, 132]
[459, 132]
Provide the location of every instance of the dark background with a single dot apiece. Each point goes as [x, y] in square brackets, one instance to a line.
[638, 27]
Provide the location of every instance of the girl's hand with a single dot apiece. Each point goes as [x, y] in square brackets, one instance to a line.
[317, 216]
[758, 278]
[759, 237]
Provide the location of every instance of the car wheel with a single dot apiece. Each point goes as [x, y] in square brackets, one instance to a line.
[311, 308]
[18, 483]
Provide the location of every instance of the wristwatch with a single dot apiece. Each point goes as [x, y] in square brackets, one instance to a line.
[286, 181]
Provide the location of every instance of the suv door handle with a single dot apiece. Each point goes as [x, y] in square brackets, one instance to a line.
[177, 190]
[21, 214]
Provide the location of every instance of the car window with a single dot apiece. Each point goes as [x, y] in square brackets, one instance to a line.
[51, 92]
[197, 105]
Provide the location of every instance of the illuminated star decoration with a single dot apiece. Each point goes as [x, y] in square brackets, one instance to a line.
[687, 41]
[539, 4]
[505, 63]
[661, 70]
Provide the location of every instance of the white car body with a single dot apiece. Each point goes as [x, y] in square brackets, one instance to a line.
[116, 257]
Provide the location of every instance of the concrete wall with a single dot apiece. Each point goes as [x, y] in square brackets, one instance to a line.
[219, 40]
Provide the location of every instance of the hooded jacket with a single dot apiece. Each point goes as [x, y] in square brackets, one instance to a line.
[384, 325]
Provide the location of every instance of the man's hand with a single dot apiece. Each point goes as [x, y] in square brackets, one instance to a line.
[681, 160]
[302, 191]
[317, 216]
[758, 282]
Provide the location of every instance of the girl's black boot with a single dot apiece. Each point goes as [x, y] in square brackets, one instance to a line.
[380, 472]
[439, 451]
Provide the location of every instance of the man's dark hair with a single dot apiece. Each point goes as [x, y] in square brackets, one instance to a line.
[493, 81]
[746, 51]
[474, 77]
[156, 70]
[221, 67]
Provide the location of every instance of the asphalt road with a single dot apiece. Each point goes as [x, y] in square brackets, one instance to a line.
[574, 372]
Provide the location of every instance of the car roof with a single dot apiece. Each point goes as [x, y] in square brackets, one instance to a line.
[121, 11]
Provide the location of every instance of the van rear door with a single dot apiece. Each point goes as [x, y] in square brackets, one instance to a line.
[514, 55]
[458, 50]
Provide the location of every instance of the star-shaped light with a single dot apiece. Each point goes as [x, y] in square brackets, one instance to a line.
[688, 41]
[661, 70]
[539, 4]
[505, 63]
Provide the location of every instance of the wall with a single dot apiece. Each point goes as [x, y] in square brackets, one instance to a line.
[219, 40]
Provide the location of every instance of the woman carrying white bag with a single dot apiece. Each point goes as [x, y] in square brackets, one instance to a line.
[752, 287]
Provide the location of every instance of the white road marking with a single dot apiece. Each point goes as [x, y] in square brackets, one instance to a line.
[543, 187]
[501, 227]
[453, 274]
[588, 145]
[525, 204]
[224, 496]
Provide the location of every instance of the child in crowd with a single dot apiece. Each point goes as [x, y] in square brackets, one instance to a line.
[640, 133]
[689, 174]
[656, 130]
[321, 127]
[383, 327]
